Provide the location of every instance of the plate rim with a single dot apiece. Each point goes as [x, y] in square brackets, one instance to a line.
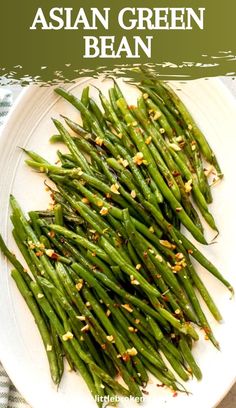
[25, 93]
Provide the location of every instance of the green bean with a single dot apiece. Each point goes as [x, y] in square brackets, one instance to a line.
[203, 260]
[11, 257]
[122, 134]
[97, 113]
[31, 303]
[132, 299]
[112, 332]
[189, 358]
[201, 140]
[85, 101]
[58, 214]
[167, 121]
[111, 251]
[114, 211]
[78, 355]
[183, 276]
[57, 346]
[113, 99]
[85, 113]
[78, 156]
[176, 365]
[154, 266]
[81, 241]
[162, 146]
[126, 268]
[159, 375]
[175, 205]
[56, 139]
[104, 321]
[204, 293]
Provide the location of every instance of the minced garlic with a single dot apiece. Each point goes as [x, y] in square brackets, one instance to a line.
[132, 351]
[159, 257]
[104, 211]
[85, 328]
[179, 256]
[138, 158]
[81, 318]
[49, 252]
[188, 186]
[167, 244]
[115, 188]
[127, 307]
[67, 336]
[176, 268]
[131, 329]
[99, 203]
[148, 140]
[175, 147]
[79, 285]
[157, 115]
[110, 338]
[99, 141]
[124, 162]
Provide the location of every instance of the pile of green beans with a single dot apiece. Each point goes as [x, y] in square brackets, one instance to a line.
[110, 279]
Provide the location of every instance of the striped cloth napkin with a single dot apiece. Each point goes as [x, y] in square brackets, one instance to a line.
[9, 396]
[5, 104]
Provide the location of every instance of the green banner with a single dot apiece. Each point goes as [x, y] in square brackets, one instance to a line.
[61, 40]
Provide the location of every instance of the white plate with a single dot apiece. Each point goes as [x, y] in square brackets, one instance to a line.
[21, 350]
